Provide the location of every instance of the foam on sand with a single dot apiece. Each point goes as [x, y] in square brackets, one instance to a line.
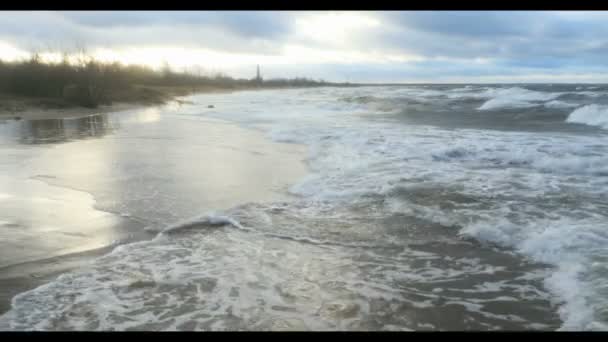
[202, 222]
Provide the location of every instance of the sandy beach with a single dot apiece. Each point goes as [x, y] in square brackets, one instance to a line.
[57, 215]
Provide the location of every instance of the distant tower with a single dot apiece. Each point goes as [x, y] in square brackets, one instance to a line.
[258, 77]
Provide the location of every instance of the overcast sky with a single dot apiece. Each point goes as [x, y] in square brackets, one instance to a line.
[337, 46]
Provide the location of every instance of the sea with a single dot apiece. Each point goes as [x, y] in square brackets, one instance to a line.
[423, 207]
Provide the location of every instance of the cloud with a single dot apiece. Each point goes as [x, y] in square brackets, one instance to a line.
[380, 45]
[246, 24]
[467, 24]
[499, 34]
[236, 32]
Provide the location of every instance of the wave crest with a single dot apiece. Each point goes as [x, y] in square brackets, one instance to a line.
[515, 97]
[593, 115]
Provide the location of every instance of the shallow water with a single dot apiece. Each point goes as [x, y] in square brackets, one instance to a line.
[426, 207]
[80, 184]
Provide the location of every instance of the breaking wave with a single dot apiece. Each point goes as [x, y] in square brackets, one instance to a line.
[593, 115]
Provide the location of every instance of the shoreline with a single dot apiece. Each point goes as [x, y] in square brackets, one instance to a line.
[23, 277]
[27, 275]
[31, 108]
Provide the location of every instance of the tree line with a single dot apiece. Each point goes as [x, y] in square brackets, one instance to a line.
[90, 83]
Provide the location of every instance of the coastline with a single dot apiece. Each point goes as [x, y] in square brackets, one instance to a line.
[13, 107]
[26, 108]
[29, 274]
[16, 279]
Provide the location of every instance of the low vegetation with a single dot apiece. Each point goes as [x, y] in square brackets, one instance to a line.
[90, 83]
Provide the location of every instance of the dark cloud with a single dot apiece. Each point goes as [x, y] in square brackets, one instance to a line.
[241, 32]
[248, 24]
[517, 35]
[467, 24]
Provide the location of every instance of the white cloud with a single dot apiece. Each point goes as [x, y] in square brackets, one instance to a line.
[10, 53]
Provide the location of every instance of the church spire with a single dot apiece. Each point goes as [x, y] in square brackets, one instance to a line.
[258, 76]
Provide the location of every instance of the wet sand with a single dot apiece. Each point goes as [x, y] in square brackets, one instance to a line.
[38, 113]
[62, 191]
[32, 108]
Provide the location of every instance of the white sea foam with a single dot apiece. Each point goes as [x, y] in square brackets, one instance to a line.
[506, 102]
[560, 104]
[593, 114]
[201, 222]
[515, 97]
[357, 162]
[565, 243]
[590, 93]
[226, 279]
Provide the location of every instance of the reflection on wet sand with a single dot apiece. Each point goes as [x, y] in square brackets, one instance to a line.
[143, 170]
[59, 130]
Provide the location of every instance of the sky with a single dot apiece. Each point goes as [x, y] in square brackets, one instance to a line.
[353, 46]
